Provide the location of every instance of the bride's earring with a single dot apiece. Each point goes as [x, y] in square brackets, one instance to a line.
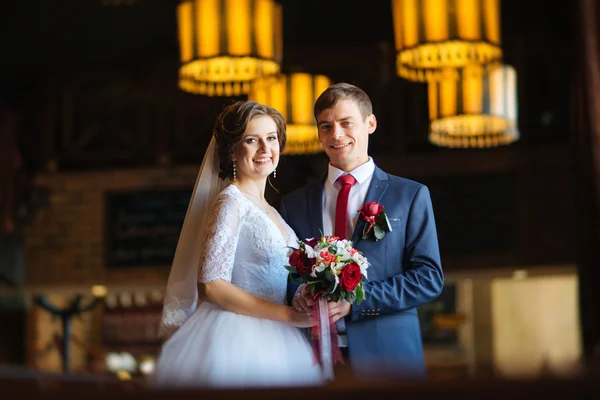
[234, 174]
[275, 173]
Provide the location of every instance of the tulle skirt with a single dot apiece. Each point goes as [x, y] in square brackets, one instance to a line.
[218, 348]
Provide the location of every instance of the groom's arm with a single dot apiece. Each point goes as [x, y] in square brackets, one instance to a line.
[291, 287]
[422, 279]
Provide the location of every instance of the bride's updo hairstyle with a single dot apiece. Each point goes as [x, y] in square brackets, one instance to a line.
[232, 123]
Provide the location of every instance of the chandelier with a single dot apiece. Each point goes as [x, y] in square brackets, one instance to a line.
[294, 96]
[474, 107]
[431, 35]
[226, 44]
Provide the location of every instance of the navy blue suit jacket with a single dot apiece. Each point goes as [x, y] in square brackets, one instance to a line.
[384, 335]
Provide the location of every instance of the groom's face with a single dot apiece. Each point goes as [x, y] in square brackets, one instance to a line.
[344, 134]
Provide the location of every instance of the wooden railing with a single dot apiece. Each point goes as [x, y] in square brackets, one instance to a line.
[64, 387]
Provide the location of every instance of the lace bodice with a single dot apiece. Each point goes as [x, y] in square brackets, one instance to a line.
[245, 247]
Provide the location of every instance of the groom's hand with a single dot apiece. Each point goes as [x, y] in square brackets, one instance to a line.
[302, 300]
[339, 309]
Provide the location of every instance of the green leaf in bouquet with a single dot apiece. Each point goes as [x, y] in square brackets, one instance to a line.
[360, 293]
[330, 275]
[295, 278]
[379, 232]
[334, 286]
[351, 297]
[335, 296]
[363, 293]
[291, 269]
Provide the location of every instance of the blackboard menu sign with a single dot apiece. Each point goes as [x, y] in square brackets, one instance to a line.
[142, 227]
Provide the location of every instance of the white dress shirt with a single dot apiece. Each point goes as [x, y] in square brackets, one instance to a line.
[356, 199]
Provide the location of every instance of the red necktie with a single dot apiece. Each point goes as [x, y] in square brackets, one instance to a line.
[341, 207]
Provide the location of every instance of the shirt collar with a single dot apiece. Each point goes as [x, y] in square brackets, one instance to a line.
[361, 173]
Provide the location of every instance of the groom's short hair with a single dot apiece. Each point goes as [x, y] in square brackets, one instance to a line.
[343, 91]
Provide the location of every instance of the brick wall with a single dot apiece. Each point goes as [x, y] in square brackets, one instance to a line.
[65, 241]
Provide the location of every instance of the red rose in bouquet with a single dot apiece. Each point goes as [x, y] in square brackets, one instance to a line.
[351, 277]
[301, 263]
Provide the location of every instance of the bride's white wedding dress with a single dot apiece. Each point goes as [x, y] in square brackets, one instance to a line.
[218, 348]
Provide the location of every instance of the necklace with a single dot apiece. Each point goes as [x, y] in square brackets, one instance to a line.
[266, 208]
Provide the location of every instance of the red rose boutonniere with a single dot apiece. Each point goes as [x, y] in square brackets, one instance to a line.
[377, 223]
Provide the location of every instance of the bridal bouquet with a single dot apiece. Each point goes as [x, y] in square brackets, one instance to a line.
[332, 270]
[329, 267]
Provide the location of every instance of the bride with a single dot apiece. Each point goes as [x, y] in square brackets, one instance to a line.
[231, 255]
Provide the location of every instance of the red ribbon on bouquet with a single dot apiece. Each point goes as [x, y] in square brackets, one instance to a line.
[324, 338]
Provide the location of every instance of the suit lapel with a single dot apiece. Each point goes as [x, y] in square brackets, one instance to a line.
[315, 209]
[377, 188]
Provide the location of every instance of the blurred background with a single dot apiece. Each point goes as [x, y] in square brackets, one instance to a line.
[107, 106]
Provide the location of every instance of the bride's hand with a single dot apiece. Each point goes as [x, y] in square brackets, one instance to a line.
[300, 318]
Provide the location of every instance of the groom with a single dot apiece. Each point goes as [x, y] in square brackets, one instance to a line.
[381, 337]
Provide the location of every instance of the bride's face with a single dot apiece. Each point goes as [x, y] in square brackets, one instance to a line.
[257, 155]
